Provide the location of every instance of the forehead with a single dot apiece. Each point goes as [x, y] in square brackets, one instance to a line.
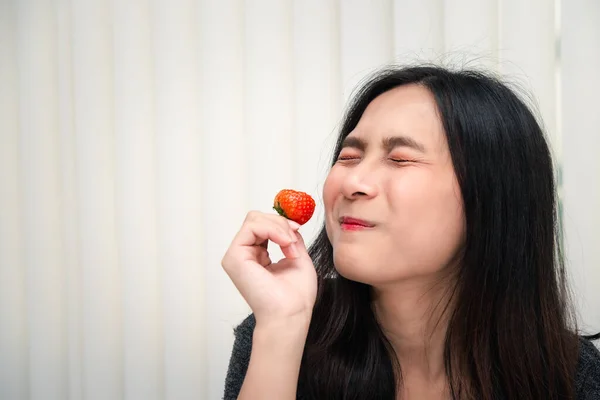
[408, 110]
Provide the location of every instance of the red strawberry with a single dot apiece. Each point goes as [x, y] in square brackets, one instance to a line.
[294, 205]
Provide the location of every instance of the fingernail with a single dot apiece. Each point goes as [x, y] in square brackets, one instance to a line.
[293, 224]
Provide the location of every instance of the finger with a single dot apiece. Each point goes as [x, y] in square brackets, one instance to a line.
[296, 249]
[256, 233]
[300, 244]
[258, 254]
[286, 224]
[280, 220]
[263, 257]
[290, 251]
[281, 265]
[293, 224]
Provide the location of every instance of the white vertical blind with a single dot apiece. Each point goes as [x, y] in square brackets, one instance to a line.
[528, 53]
[580, 86]
[317, 101]
[136, 213]
[225, 159]
[70, 204]
[474, 38]
[366, 39]
[13, 312]
[40, 199]
[136, 134]
[418, 30]
[101, 279]
[180, 227]
[269, 98]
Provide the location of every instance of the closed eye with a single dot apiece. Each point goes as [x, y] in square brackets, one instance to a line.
[348, 157]
[401, 160]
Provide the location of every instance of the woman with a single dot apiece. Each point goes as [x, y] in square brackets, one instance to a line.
[439, 272]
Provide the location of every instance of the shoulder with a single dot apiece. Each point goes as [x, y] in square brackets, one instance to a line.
[240, 357]
[587, 380]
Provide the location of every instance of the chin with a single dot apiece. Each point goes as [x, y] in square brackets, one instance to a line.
[363, 268]
[357, 269]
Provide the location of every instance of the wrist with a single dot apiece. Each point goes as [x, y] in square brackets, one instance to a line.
[288, 330]
[296, 323]
[277, 348]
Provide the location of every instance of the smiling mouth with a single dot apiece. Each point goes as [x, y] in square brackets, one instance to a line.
[355, 224]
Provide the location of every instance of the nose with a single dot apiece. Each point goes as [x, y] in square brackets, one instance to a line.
[360, 182]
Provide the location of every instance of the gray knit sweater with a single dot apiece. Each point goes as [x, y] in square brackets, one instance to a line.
[587, 379]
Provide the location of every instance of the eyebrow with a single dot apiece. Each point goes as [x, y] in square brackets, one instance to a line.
[388, 143]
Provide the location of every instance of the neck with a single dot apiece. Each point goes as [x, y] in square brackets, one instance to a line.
[413, 317]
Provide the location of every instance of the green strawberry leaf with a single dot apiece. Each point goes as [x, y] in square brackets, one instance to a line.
[279, 210]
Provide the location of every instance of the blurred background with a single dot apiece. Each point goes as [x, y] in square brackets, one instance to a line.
[136, 134]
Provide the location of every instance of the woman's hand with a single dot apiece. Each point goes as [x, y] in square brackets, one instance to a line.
[277, 293]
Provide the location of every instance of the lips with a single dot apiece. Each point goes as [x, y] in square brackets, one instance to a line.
[352, 222]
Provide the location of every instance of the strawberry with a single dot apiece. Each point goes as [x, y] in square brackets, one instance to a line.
[294, 205]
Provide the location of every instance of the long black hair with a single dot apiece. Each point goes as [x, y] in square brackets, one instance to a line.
[512, 331]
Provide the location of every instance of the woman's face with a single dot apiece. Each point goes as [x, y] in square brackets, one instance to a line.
[392, 201]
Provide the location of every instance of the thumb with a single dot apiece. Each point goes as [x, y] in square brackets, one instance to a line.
[300, 244]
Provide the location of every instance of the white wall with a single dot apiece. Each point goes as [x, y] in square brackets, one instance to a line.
[136, 134]
[580, 63]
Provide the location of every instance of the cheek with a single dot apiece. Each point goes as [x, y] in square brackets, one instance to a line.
[428, 223]
[331, 191]
[434, 223]
[426, 198]
[331, 188]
